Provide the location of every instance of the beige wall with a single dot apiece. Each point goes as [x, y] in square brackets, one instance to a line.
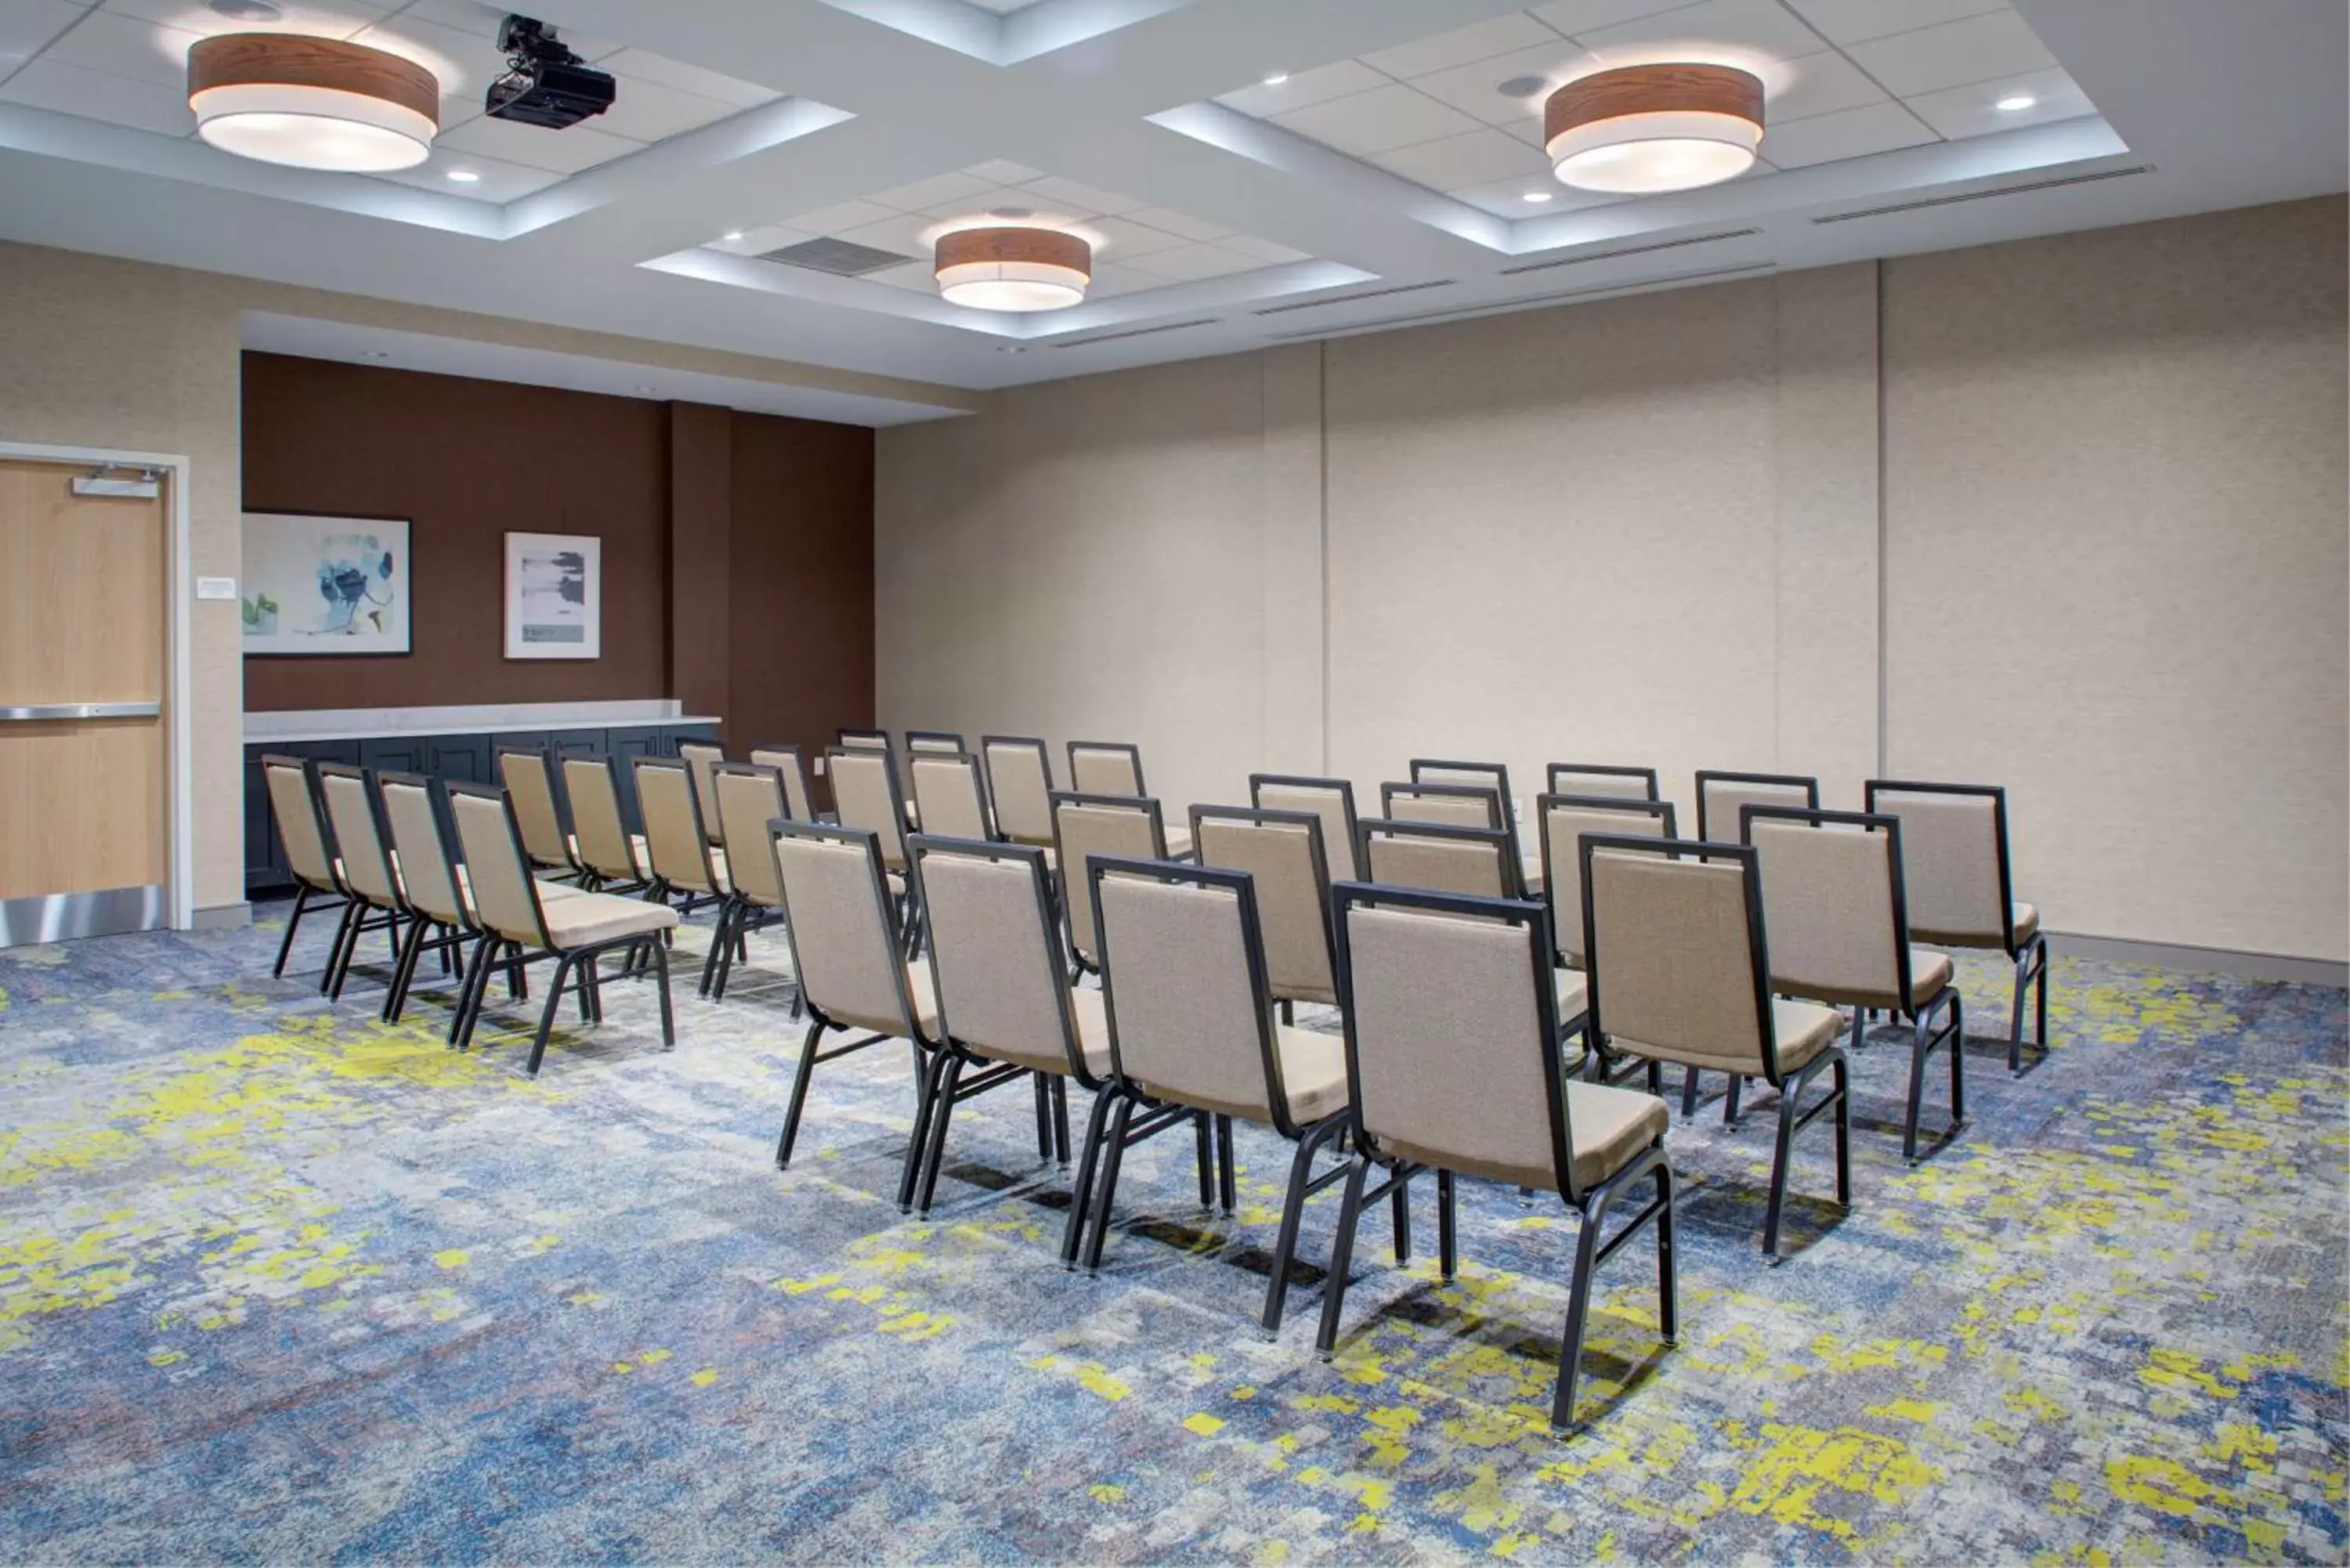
[1650, 529]
[97, 352]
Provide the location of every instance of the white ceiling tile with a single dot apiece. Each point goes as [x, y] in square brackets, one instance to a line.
[1377, 121]
[1574, 16]
[95, 95]
[1851, 134]
[25, 26]
[1507, 198]
[936, 191]
[1476, 89]
[1109, 280]
[1174, 222]
[1731, 31]
[536, 147]
[127, 46]
[1303, 88]
[1021, 200]
[643, 65]
[1003, 171]
[1188, 262]
[834, 220]
[915, 277]
[900, 232]
[10, 63]
[1079, 198]
[1973, 110]
[648, 111]
[1002, 7]
[320, 18]
[1849, 21]
[500, 181]
[1263, 250]
[764, 238]
[1478, 41]
[1476, 159]
[1527, 129]
[1976, 49]
[1123, 238]
[464, 63]
[481, 21]
[1819, 84]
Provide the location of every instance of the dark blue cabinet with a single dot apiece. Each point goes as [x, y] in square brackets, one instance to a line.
[397, 756]
[461, 757]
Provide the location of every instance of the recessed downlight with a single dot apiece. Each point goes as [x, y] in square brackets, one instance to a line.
[1535, 196]
[1277, 79]
[464, 176]
[375, 353]
[2015, 103]
[733, 236]
[1523, 86]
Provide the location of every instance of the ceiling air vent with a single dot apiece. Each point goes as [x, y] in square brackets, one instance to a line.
[1629, 251]
[1985, 195]
[842, 258]
[1500, 306]
[1351, 298]
[1134, 332]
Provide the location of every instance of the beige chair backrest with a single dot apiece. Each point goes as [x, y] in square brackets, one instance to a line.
[1479, 808]
[1020, 780]
[1189, 1020]
[837, 910]
[1087, 826]
[531, 789]
[1828, 904]
[1448, 1031]
[505, 894]
[946, 795]
[1564, 820]
[1474, 861]
[799, 805]
[300, 826]
[1002, 984]
[1293, 891]
[596, 828]
[864, 740]
[749, 797]
[1326, 798]
[865, 796]
[934, 740]
[701, 757]
[424, 872]
[1672, 959]
[1580, 778]
[367, 871]
[1720, 800]
[674, 826]
[1950, 858]
[1104, 769]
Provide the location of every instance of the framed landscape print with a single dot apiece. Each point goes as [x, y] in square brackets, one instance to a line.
[319, 584]
[554, 595]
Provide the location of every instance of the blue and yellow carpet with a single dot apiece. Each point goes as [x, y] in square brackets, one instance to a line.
[279, 1284]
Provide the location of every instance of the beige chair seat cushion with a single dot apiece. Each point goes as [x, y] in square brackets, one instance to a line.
[1573, 995]
[586, 919]
[1179, 842]
[1804, 1028]
[1611, 1126]
[1928, 973]
[1531, 869]
[1092, 1015]
[2023, 920]
[1312, 1072]
[924, 989]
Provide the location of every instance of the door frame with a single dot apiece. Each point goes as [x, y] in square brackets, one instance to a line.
[179, 582]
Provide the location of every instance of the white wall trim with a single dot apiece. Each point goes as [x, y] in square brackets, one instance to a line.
[179, 625]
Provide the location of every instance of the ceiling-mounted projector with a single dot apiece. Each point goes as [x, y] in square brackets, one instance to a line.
[544, 83]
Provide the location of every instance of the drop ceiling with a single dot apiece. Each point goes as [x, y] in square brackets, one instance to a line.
[1251, 171]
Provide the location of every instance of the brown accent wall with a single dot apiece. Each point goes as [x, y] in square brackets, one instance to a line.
[738, 548]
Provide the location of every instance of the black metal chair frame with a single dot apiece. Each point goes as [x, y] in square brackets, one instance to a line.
[360, 914]
[1272, 816]
[429, 934]
[738, 916]
[590, 879]
[1504, 849]
[1614, 770]
[336, 897]
[1146, 805]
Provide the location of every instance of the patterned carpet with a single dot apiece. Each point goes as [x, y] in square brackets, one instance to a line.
[279, 1284]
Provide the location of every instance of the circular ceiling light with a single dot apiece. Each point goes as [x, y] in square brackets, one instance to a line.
[1014, 269]
[2015, 103]
[1654, 127]
[312, 103]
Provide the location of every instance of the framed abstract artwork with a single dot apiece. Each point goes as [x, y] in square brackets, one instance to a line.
[554, 595]
[320, 585]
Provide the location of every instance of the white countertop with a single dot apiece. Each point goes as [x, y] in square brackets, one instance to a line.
[386, 723]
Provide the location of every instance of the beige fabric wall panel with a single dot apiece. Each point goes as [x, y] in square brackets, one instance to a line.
[2115, 556]
[1085, 561]
[1291, 740]
[1555, 536]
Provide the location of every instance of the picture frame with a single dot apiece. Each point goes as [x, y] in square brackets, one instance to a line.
[322, 584]
[554, 595]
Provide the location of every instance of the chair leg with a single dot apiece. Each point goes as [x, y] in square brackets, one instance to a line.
[1448, 1244]
[1668, 1284]
[1920, 1042]
[1578, 1317]
[340, 974]
[1729, 1101]
[468, 993]
[1061, 1122]
[1227, 1173]
[918, 1142]
[1203, 1143]
[1081, 1191]
[1841, 1082]
[343, 936]
[1789, 1093]
[294, 919]
[1105, 1191]
[799, 1094]
[563, 964]
[718, 947]
[941, 1111]
[403, 969]
[1958, 1060]
[1044, 1095]
[1399, 1206]
[1689, 1092]
[517, 980]
[1342, 1257]
[1293, 1210]
[593, 978]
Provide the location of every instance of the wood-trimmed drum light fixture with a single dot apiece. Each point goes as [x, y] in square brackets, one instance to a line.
[1642, 129]
[1014, 268]
[312, 103]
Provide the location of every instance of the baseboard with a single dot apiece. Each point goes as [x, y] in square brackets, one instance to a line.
[2217, 961]
[221, 917]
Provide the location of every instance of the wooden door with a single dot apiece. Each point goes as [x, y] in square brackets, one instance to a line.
[84, 765]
